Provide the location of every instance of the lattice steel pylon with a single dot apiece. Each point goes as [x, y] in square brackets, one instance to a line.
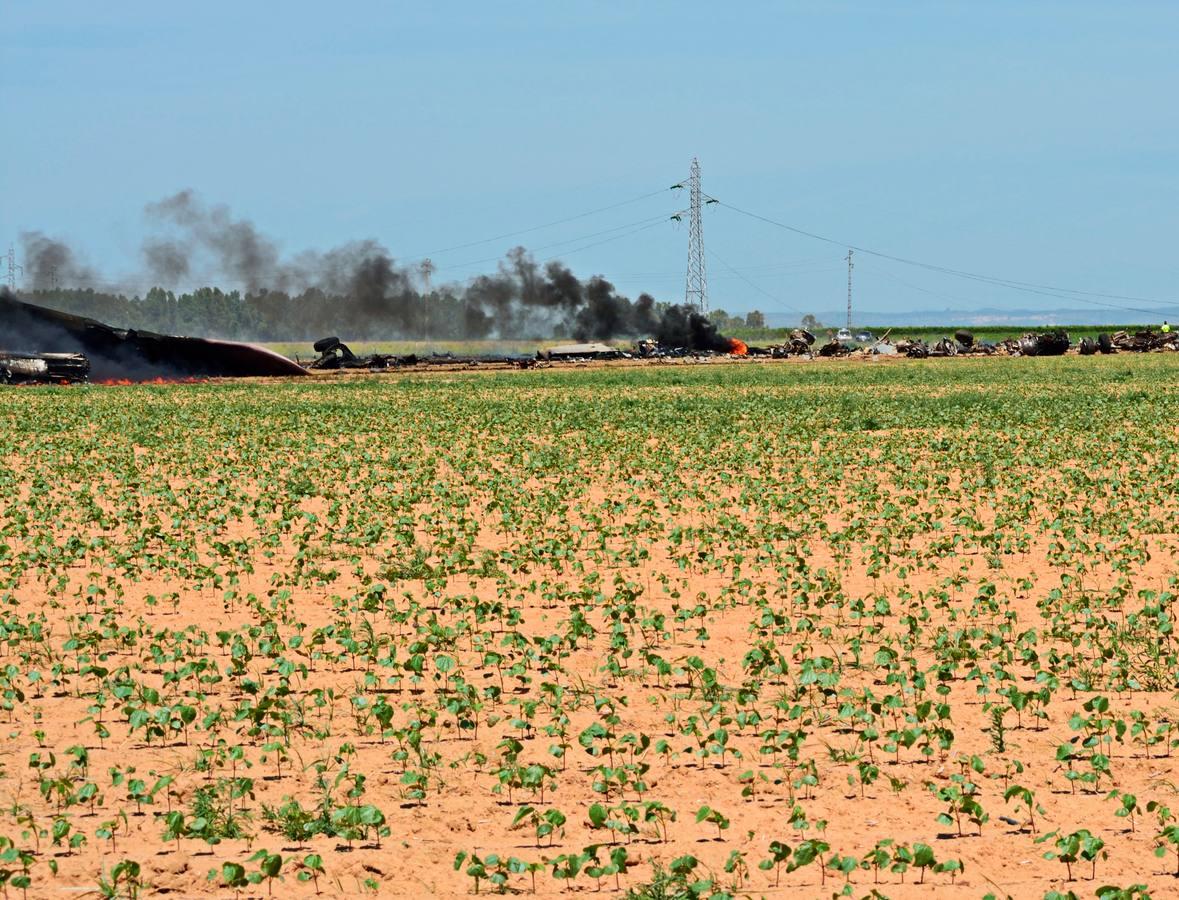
[13, 268]
[696, 289]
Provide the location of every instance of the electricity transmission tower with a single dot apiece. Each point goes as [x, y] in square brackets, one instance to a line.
[850, 266]
[696, 289]
[12, 267]
[426, 267]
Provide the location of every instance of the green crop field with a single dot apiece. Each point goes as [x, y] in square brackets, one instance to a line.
[898, 629]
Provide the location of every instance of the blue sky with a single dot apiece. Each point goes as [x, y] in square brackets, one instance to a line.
[1034, 141]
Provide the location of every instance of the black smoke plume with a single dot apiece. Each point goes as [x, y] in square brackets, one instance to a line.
[357, 289]
[236, 248]
[50, 264]
[682, 326]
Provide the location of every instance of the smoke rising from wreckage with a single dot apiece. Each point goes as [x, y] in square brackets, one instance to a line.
[359, 282]
[358, 288]
[359, 285]
[71, 348]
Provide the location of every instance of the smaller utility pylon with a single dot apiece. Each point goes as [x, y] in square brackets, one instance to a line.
[850, 265]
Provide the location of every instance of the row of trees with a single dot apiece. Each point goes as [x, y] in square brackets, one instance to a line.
[274, 316]
[439, 315]
[754, 320]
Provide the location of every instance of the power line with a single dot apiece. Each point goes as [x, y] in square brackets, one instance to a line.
[755, 286]
[509, 234]
[650, 220]
[617, 237]
[944, 296]
[1025, 286]
[917, 287]
[794, 267]
[715, 275]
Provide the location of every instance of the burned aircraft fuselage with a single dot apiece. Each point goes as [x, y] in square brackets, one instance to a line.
[43, 368]
[116, 353]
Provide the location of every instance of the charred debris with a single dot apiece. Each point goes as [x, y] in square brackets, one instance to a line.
[45, 345]
[1052, 342]
[43, 368]
[361, 284]
[333, 354]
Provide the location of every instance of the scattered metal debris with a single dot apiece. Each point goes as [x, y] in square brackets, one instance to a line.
[652, 349]
[335, 354]
[582, 351]
[1043, 343]
[964, 343]
[1053, 342]
[1143, 341]
[800, 343]
[833, 349]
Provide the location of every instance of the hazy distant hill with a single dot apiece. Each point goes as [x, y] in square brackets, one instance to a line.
[980, 317]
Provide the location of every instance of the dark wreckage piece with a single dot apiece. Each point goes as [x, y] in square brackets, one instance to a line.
[335, 354]
[127, 354]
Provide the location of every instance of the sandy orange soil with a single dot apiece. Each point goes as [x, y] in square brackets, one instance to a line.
[452, 601]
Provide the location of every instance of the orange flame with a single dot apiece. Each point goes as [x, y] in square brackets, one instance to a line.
[117, 382]
[738, 348]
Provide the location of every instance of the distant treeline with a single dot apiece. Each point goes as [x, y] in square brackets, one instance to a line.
[267, 315]
[438, 315]
[276, 316]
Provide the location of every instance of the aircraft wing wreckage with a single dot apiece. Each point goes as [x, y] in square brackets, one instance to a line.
[117, 353]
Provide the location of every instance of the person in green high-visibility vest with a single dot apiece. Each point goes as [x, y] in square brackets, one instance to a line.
[1166, 329]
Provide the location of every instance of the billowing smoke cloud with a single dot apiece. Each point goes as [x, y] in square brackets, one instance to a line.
[682, 326]
[522, 300]
[237, 249]
[50, 264]
[366, 294]
[167, 261]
